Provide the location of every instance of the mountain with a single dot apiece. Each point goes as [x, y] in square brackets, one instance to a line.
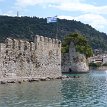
[27, 27]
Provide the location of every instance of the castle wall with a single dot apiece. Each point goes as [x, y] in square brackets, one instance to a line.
[41, 58]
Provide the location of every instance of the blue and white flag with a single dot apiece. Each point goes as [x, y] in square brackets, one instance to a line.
[51, 19]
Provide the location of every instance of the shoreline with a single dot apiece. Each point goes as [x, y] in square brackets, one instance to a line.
[33, 79]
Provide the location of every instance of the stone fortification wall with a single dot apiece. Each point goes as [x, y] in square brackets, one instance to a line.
[74, 61]
[41, 58]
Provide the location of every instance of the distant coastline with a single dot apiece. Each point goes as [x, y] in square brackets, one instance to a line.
[101, 68]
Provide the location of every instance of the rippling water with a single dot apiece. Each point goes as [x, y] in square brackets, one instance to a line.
[90, 90]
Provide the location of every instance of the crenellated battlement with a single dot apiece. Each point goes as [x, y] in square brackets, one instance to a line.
[9, 43]
[23, 45]
[40, 58]
[32, 46]
[46, 40]
[2, 47]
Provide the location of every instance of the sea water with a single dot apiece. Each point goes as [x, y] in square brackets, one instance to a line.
[89, 90]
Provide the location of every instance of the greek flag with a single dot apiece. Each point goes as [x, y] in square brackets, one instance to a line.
[51, 19]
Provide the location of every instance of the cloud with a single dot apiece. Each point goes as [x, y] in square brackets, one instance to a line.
[96, 21]
[66, 5]
[9, 13]
[82, 7]
[26, 3]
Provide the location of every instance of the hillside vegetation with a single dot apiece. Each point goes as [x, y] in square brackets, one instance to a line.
[27, 27]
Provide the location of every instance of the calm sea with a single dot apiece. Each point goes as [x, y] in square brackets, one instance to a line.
[90, 90]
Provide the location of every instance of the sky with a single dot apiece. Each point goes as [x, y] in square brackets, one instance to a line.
[92, 12]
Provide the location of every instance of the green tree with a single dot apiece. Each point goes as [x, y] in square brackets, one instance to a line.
[80, 43]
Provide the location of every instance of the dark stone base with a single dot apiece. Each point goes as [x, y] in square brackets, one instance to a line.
[75, 72]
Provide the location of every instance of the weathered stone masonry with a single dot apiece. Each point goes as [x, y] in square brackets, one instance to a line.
[74, 61]
[41, 58]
